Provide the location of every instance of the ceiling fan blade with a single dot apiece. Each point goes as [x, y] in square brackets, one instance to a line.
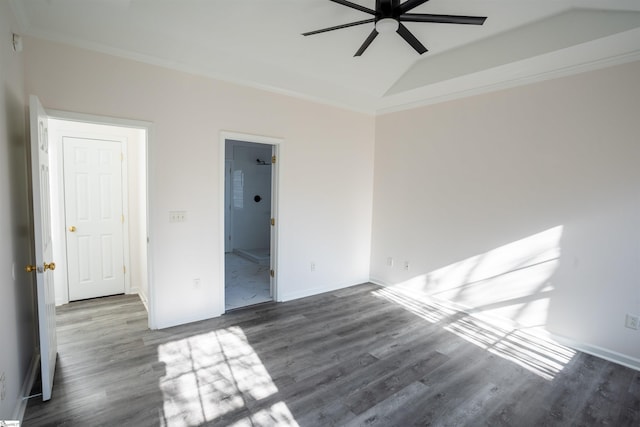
[442, 19]
[411, 4]
[386, 7]
[355, 6]
[337, 27]
[411, 39]
[367, 42]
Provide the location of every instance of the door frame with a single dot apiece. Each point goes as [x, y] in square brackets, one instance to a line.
[277, 145]
[228, 235]
[148, 127]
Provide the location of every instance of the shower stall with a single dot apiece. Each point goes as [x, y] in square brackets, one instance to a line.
[247, 223]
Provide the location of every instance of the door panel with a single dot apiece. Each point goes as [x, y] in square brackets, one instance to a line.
[93, 215]
[44, 266]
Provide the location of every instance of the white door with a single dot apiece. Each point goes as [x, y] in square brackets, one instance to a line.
[93, 216]
[42, 242]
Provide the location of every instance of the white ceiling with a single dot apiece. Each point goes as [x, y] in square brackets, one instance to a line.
[259, 43]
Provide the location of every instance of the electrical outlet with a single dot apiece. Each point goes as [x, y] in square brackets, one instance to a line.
[389, 262]
[313, 266]
[631, 322]
[3, 386]
[177, 216]
[405, 266]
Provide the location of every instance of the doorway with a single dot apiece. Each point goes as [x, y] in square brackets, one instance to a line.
[250, 199]
[99, 208]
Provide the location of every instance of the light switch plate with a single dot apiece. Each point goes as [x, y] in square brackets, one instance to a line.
[177, 216]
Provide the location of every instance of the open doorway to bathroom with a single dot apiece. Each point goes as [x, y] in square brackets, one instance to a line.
[249, 218]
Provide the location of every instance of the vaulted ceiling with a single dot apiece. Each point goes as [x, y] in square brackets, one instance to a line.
[259, 43]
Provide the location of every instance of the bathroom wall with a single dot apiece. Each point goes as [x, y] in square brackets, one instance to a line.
[250, 229]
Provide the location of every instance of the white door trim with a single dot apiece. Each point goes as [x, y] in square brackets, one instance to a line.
[228, 227]
[277, 144]
[148, 127]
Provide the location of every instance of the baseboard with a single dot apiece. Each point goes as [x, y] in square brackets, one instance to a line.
[144, 300]
[379, 282]
[316, 291]
[184, 320]
[603, 353]
[27, 385]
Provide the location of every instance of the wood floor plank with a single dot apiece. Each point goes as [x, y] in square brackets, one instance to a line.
[384, 386]
[360, 356]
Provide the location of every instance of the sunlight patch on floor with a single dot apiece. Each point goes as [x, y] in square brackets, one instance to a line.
[276, 415]
[539, 355]
[217, 375]
[536, 353]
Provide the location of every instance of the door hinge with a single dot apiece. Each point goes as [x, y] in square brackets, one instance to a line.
[122, 157]
[122, 218]
[273, 159]
[272, 273]
[273, 221]
[124, 269]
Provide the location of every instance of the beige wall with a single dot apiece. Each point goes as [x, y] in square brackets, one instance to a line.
[326, 171]
[523, 204]
[17, 329]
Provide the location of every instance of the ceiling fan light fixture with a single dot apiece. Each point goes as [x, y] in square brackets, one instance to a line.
[387, 25]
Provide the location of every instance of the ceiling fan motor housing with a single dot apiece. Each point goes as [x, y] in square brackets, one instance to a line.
[388, 17]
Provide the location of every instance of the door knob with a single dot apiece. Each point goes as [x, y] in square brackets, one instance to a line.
[51, 266]
[72, 228]
[29, 268]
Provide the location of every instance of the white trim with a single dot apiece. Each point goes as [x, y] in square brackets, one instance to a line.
[603, 353]
[277, 144]
[151, 294]
[365, 104]
[124, 174]
[199, 71]
[513, 82]
[228, 238]
[275, 210]
[143, 298]
[317, 291]
[27, 385]
[148, 127]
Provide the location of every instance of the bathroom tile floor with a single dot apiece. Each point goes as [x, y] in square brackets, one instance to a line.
[246, 283]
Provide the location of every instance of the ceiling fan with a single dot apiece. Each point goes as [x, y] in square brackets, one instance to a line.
[388, 17]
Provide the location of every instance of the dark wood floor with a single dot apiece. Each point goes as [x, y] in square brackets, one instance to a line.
[359, 356]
